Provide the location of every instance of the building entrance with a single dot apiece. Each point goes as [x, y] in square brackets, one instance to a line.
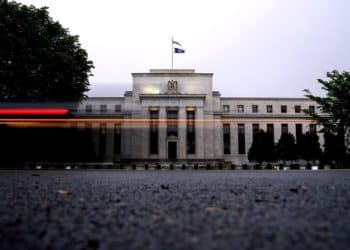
[172, 150]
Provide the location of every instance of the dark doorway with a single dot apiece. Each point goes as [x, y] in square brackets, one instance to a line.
[172, 150]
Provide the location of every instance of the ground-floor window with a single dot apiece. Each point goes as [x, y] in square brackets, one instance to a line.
[241, 139]
[102, 140]
[298, 132]
[270, 129]
[172, 116]
[284, 128]
[313, 129]
[255, 129]
[117, 138]
[190, 134]
[227, 139]
[154, 115]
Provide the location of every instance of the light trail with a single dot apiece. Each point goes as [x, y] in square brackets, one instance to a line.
[138, 122]
[33, 111]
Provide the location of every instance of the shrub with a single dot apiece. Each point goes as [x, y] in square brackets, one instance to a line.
[257, 166]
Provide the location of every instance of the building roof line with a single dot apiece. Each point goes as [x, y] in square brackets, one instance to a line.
[266, 98]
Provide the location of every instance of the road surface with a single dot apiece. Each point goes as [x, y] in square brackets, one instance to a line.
[188, 209]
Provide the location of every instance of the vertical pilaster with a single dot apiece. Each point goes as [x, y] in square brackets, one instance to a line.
[162, 133]
[248, 137]
[109, 142]
[278, 131]
[145, 132]
[209, 139]
[218, 138]
[96, 136]
[126, 138]
[199, 133]
[320, 136]
[182, 126]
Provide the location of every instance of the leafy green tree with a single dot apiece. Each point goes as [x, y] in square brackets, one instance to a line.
[257, 149]
[270, 148]
[310, 149]
[332, 148]
[39, 59]
[335, 107]
[286, 149]
[262, 148]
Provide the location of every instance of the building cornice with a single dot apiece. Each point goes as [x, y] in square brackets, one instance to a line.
[174, 74]
[104, 98]
[257, 116]
[171, 96]
[264, 99]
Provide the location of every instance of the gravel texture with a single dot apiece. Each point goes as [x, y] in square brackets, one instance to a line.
[106, 209]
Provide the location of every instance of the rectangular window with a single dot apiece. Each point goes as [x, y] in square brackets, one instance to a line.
[190, 134]
[313, 129]
[153, 142]
[117, 108]
[89, 130]
[297, 108]
[227, 138]
[298, 132]
[226, 108]
[103, 108]
[312, 108]
[284, 128]
[88, 108]
[255, 129]
[255, 108]
[117, 139]
[102, 140]
[172, 123]
[270, 131]
[283, 108]
[269, 108]
[240, 108]
[241, 139]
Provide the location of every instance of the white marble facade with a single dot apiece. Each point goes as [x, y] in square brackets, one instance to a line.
[182, 91]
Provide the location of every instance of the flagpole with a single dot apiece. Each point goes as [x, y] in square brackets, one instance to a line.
[172, 53]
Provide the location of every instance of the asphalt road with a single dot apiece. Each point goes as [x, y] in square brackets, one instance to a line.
[175, 209]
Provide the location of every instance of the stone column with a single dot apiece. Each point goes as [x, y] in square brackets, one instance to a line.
[199, 133]
[109, 142]
[234, 143]
[126, 139]
[182, 126]
[96, 136]
[320, 136]
[248, 137]
[278, 131]
[209, 139]
[145, 131]
[292, 129]
[218, 138]
[162, 137]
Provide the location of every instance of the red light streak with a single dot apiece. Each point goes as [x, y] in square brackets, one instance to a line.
[33, 111]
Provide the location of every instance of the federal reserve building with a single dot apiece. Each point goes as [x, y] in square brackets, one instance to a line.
[175, 115]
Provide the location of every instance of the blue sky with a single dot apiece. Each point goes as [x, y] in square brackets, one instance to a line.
[253, 47]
